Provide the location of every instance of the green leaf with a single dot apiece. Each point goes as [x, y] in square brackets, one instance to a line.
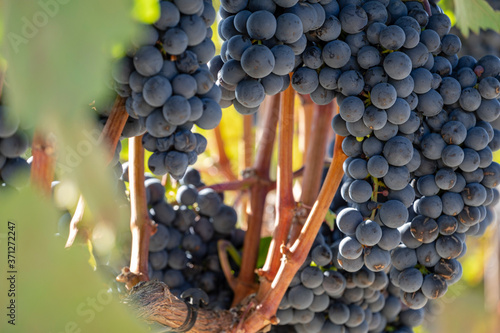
[59, 58]
[474, 15]
[330, 219]
[56, 289]
[58, 54]
[263, 249]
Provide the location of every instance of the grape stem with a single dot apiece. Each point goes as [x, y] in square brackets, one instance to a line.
[248, 142]
[374, 197]
[237, 185]
[44, 162]
[111, 134]
[246, 281]
[222, 248]
[223, 163]
[293, 257]
[141, 225]
[322, 118]
[427, 7]
[285, 203]
[246, 183]
[164, 179]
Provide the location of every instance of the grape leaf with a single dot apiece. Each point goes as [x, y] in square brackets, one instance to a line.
[474, 15]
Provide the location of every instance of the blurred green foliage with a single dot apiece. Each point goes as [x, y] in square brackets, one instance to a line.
[56, 290]
[59, 55]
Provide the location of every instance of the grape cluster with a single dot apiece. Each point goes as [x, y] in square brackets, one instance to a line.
[14, 142]
[264, 41]
[428, 126]
[425, 136]
[323, 297]
[420, 126]
[183, 251]
[168, 86]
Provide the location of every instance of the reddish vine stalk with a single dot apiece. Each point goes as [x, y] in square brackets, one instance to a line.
[237, 185]
[248, 140]
[44, 162]
[222, 247]
[293, 257]
[111, 135]
[224, 163]
[285, 203]
[141, 225]
[246, 281]
[305, 124]
[315, 154]
[244, 184]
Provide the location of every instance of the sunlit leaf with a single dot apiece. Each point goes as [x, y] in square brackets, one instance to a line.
[474, 15]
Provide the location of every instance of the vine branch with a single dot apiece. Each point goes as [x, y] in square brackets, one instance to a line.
[305, 123]
[315, 154]
[236, 185]
[153, 302]
[44, 162]
[246, 281]
[248, 140]
[141, 225]
[222, 247]
[285, 203]
[224, 163]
